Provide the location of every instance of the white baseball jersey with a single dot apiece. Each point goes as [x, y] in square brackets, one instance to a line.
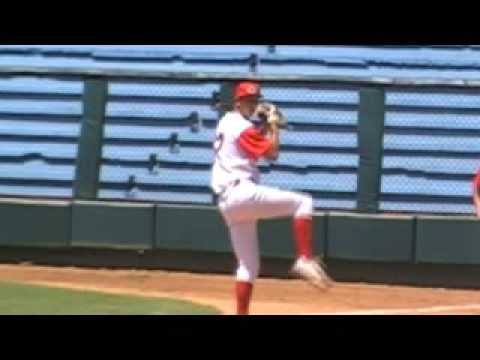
[238, 146]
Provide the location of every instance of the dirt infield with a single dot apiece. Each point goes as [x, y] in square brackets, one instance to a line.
[271, 297]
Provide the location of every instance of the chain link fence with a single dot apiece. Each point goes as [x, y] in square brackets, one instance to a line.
[431, 150]
[40, 120]
[159, 137]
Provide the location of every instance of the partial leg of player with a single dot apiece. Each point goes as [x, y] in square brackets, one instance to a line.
[243, 207]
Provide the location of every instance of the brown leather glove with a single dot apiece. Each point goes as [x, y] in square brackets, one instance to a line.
[270, 115]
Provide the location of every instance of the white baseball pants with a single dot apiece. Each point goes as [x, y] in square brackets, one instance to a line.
[246, 203]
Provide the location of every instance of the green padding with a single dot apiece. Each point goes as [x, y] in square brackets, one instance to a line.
[191, 228]
[106, 225]
[277, 241]
[370, 238]
[35, 224]
[203, 229]
[448, 240]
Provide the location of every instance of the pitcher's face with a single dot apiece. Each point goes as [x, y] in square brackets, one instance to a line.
[247, 105]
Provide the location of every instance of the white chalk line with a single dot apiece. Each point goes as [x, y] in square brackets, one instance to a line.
[425, 310]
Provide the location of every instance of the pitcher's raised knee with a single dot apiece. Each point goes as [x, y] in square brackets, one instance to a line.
[305, 208]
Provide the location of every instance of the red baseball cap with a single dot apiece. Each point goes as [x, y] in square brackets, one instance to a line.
[247, 88]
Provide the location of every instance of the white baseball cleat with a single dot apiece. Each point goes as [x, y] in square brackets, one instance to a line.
[313, 272]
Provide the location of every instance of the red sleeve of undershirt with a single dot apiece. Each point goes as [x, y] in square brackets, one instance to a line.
[254, 143]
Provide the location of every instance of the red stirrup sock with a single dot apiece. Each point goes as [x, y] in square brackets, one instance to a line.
[302, 229]
[243, 292]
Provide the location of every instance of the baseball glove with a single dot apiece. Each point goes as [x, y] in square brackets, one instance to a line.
[269, 114]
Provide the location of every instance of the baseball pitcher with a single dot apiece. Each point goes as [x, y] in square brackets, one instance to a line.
[243, 201]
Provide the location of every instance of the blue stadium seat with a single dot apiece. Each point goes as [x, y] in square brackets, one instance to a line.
[312, 181]
[46, 107]
[459, 144]
[163, 153]
[162, 90]
[37, 170]
[178, 49]
[370, 71]
[381, 53]
[52, 150]
[402, 184]
[440, 207]
[312, 116]
[29, 85]
[334, 204]
[433, 120]
[315, 96]
[37, 191]
[139, 132]
[158, 110]
[303, 159]
[81, 62]
[462, 100]
[28, 128]
[320, 139]
[185, 197]
[174, 177]
[433, 165]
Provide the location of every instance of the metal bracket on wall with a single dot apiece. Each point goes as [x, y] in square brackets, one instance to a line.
[153, 164]
[195, 122]
[173, 144]
[253, 63]
[131, 186]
